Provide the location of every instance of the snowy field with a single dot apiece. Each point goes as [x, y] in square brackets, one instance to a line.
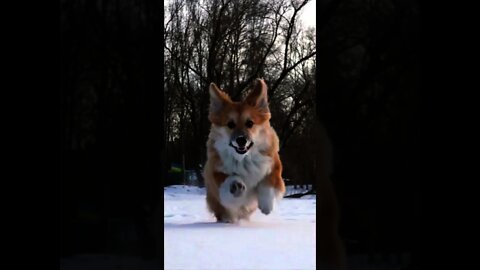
[285, 239]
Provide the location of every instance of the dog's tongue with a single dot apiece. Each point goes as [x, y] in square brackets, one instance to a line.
[241, 148]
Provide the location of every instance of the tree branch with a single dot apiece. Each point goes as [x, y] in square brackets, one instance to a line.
[186, 64]
[286, 71]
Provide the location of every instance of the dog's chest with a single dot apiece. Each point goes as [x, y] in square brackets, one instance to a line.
[252, 168]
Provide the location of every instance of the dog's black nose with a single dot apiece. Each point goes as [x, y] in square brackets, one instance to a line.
[241, 141]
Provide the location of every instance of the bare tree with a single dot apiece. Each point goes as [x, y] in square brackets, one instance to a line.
[231, 43]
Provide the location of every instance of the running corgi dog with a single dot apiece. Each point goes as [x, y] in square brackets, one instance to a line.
[243, 171]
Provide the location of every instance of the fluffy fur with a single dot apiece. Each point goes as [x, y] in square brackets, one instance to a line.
[242, 176]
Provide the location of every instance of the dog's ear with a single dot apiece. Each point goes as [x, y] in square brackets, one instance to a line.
[258, 96]
[218, 98]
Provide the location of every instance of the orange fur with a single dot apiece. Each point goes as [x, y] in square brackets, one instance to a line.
[255, 109]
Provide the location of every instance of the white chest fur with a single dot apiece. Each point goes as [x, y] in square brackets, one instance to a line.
[252, 167]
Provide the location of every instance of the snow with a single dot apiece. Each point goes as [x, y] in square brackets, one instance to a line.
[285, 239]
[290, 190]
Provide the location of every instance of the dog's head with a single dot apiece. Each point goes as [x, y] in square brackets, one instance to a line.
[238, 126]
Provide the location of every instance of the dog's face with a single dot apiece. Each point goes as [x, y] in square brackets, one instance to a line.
[239, 126]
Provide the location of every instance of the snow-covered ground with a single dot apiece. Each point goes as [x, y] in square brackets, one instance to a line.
[291, 190]
[285, 239]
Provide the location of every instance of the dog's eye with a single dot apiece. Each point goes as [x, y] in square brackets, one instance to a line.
[249, 123]
[231, 124]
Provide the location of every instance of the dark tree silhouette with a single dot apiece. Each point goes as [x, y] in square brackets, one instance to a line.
[111, 116]
[368, 98]
[232, 43]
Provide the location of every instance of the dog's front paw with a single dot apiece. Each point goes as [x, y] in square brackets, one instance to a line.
[265, 206]
[233, 192]
[265, 198]
[237, 188]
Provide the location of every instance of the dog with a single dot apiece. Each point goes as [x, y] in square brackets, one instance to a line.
[243, 171]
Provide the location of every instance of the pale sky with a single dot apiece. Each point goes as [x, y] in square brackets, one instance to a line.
[309, 14]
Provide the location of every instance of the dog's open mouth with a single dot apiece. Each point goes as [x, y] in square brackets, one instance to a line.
[241, 150]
